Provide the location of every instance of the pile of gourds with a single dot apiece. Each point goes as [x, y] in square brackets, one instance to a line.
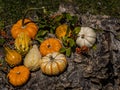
[27, 57]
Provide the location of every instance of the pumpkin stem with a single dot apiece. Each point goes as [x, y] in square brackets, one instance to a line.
[82, 36]
[26, 12]
[18, 72]
[49, 46]
[51, 58]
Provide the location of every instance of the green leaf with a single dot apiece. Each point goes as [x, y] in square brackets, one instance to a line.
[94, 47]
[71, 42]
[68, 31]
[2, 40]
[52, 30]
[74, 20]
[64, 41]
[68, 16]
[41, 26]
[76, 30]
[68, 51]
[62, 50]
[42, 33]
[58, 18]
[40, 39]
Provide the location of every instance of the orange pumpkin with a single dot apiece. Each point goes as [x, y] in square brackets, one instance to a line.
[18, 75]
[50, 45]
[29, 28]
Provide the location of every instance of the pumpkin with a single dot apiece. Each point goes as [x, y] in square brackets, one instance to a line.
[53, 63]
[19, 75]
[32, 59]
[50, 45]
[86, 37]
[22, 43]
[62, 31]
[27, 27]
[12, 57]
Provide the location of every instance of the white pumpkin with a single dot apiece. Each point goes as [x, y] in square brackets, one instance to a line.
[86, 37]
[53, 63]
[32, 59]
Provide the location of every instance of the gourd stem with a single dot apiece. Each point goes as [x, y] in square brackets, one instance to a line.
[52, 58]
[7, 49]
[26, 12]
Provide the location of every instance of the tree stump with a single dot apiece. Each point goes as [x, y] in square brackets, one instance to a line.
[99, 69]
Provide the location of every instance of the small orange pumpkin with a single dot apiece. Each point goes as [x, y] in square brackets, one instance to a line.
[18, 75]
[29, 28]
[50, 45]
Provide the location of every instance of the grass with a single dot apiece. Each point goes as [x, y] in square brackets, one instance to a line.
[106, 7]
[12, 10]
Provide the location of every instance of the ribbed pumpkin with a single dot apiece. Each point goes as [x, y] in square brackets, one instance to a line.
[12, 57]
[86, 37]
[50, 45]
[18, 75]
[27, 27]
[62, 31]
[53, 63]
[22, 43]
